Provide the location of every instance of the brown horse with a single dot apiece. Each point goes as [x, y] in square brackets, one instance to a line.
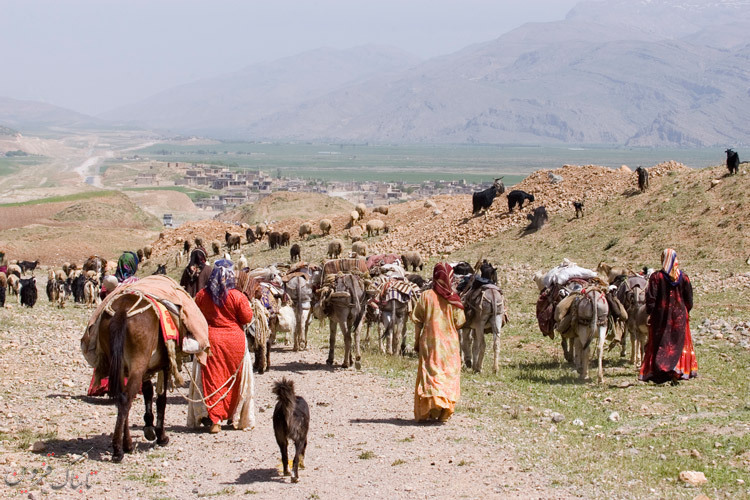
[132, 346]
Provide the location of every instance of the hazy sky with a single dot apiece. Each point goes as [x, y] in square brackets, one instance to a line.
[93, 55]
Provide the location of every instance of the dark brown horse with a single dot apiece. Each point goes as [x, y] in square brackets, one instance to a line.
[132, 346]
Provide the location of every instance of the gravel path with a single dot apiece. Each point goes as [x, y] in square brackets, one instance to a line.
[362, 441]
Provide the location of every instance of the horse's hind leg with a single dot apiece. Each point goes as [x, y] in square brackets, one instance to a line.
[347, 345]
[148, 416]
[465, 336]
[117, 436]
[161, 406]
[331, 340]
[299, 453]
[479, 346]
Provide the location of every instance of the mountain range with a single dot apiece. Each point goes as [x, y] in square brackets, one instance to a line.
[620, 72]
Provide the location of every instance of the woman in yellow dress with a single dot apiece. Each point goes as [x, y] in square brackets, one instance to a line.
[437, 317]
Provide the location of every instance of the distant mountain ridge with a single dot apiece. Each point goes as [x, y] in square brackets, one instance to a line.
[613, 72]
[24, 114]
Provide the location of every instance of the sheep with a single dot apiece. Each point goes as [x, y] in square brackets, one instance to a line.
[15, 270]
[412, 259]
[305, 229]
[483, 199]
[355, 233]
[147, 250]
[325, 226]
[260, 230]
[517, 197]
[334, 248]
[416, 279]
[139, 254]
[186, 247]
[274, 240]
[359, 248]
[360, 208]
[62, 293]
[233, 240]
[642, 178]
[285, 237]
[198, 243]
[733, 161]
[375, 226]
[353, 217]
[66, 267]
[14, 285]
[242, 262]
[250, 235]
[429, 204]
[294, 253]
[215, 247]
[61, 276]
[382, 209]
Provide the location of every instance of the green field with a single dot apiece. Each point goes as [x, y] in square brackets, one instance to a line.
[11, 165]
[416, 163]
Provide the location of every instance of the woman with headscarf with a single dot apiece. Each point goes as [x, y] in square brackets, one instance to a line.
[197, 273]
[669, 353]
[225, 377]
[127, 265]
[437, 317]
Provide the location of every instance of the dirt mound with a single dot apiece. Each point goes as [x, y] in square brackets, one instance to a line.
[287, 205]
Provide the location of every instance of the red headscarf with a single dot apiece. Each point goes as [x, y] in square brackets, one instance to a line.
[442, 283]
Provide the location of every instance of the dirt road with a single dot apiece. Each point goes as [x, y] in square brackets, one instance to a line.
[362, 442]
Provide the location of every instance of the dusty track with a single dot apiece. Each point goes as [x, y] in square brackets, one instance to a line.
[43, 389]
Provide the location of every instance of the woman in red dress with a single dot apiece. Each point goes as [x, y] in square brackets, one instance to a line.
[226, 310]
[669, 352]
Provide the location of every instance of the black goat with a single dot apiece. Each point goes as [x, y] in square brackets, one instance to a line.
[578, 205]
[28, 292]
[463, 268]
[161, 269]
[642, 178]
[488, 271]
[517, 197]
[291, 420]
[250, 235]
[26, 265]
[274, 240]
[537, 218]
[294, 253]
[285, 237]
[733, 161]
[416, 279]
[76, 288]
[484, 199]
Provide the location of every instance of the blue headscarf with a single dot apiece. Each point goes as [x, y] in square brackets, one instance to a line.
[221, 281]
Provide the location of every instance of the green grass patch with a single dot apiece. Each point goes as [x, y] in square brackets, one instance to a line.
[366, 455]
[88, 195]
[228, 490]
[398, 461]
[147, 478]
[193, 194]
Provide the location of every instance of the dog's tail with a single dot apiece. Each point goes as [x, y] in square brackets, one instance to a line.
[284, 390]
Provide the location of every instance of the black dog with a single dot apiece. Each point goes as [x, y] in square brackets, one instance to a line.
[291, 419]
[578, 205]
[517, 197]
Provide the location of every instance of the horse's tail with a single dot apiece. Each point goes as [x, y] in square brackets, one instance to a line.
[117, 326]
